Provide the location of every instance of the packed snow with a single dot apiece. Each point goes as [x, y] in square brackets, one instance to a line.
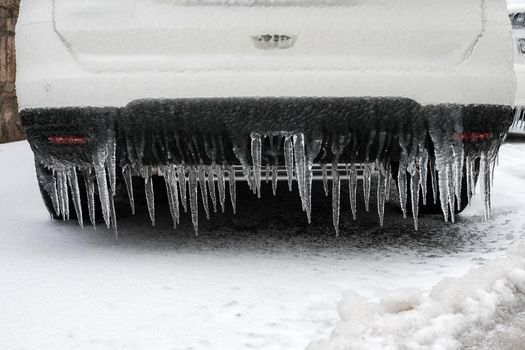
[485, 309]
[262, 279]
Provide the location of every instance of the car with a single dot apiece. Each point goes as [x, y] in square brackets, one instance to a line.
[205, 93]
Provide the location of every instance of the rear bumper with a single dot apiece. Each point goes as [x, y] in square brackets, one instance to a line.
[207, 131]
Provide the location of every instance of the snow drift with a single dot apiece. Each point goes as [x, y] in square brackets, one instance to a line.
[485, 309]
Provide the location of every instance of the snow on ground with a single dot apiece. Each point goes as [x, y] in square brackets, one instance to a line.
[485, 309]
[262, 280]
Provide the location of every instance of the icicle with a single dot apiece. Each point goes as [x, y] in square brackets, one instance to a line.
[169, 193]
[58, 177]
[433, 177]
[443, 171]
[485, 183]
[336, 198]
[233, 194]
[211, 187]
[381, 193]
[63, 196]
[256, 147]
[352, 189]
[111, 165]
[459, 156]
[127, 174]
[103, 192]
[240, 153]
[274, 179]
[338, 146]
[53, 193]
[450, 192]
[221, 186]
[150, 195]
[90, 193]
[402, 177]
[201, 175]
[113, 218]
[312, 150]
[469, 176]
[75, 193]
[388, 180]
[325, 178]
[173, 195]
[367, 182]
[192, 187]
[288, 159]
[423, 172]
[414, 192]
[51, 189]
[300, 166]
[181, 177]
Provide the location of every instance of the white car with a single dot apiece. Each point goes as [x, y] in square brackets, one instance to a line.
[211, 91]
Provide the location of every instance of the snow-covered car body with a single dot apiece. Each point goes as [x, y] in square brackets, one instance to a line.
[517, 17]
[102, 53]
[194, 89]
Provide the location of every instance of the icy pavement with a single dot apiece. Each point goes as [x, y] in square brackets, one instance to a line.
[264, 279]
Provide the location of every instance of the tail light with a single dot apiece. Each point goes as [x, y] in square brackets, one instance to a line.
[68, 140]
[473, 136]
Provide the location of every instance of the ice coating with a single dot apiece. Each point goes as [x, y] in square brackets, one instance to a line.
[429, 158]
[414, 171]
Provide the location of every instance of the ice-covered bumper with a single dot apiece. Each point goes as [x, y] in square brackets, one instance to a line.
[192, 142]
[206, 131]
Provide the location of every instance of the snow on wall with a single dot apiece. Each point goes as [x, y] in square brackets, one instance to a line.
[482, 310]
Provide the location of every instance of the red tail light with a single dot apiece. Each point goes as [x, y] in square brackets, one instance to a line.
[473, 136]
[68, 140]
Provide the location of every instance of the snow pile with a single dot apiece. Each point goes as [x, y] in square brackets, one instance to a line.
[485, 309]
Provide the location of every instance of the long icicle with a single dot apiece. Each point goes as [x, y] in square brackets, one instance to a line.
[485, 184]
[336, 198]
[352, 189]
[87, 173]
[192, 187]
[211, 186]
[150, 194]
[75, 194]
[414, 191]
[103, 192]
[300, 166]
[181, 177]
[381, 193]
[127, 173]
[232, 186]
[288, 159]
[256, 147]
[367, 183]
[201, 175]
[221, 186]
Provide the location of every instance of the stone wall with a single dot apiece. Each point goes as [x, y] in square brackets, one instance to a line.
[9, 118]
